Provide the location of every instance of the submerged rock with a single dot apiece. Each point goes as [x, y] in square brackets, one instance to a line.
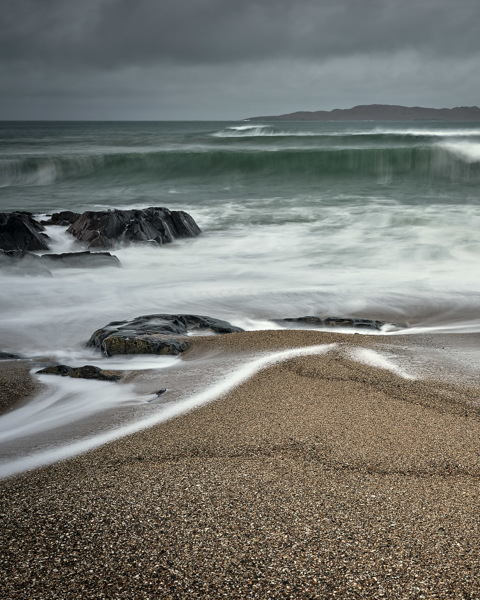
[81, 259]
[20, 231]
[10, 356]
[105, 229]
[85, 372]
[27, 263]
[354, 322]
[155, 334]
[21, 262]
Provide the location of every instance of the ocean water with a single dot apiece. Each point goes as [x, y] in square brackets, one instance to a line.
[359, 219]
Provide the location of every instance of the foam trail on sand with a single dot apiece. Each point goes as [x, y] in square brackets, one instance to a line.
[232, 380]
[375, 359]
[64, 401]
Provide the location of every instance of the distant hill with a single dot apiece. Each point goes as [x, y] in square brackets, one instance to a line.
[381, 112]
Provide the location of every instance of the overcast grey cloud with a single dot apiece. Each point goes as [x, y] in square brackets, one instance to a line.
[221, 59]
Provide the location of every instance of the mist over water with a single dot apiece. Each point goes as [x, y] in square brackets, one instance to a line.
[329, 219]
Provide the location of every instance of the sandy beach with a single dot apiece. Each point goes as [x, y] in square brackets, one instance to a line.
[319, 477]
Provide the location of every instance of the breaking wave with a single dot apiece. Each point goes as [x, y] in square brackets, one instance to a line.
[455, 161]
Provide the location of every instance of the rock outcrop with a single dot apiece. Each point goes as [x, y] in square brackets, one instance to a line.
[20, 231]
[106, 229]
[155, 334]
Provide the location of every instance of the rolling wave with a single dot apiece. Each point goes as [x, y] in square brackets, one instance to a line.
[379, 133]
[260, 131]
[455, 161]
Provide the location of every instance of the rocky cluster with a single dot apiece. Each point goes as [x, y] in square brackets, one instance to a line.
[21, 236]
[106, 229]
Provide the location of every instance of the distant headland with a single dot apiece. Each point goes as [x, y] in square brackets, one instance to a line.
[380, 112]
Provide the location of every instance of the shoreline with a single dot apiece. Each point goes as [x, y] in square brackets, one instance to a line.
[318, 476]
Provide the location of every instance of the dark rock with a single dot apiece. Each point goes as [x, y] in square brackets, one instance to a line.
[338, 322]
[9, 356]
[105, 229]
[81, 259]
[20, 231]
[85, 372]
[158, 394]
[64, 217]
[155, 334]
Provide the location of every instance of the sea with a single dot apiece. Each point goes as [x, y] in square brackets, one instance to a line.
[363, 219]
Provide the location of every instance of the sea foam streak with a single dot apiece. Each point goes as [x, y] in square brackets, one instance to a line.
[373, 358]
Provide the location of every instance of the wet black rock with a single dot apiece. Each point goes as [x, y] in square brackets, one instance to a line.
[20, 231]
[106, 229]
[354, 323]
[85, 372]
[64, 217]
[155, 334]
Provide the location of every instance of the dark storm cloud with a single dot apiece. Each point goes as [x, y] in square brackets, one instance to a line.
[223, 59]
[118, 32]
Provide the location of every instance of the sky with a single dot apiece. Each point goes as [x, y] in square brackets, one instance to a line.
[233, 59]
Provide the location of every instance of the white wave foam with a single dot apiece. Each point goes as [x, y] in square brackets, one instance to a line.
[65, 401]
[468, 151]
[14, 173]
[60, 240]
[47, 170]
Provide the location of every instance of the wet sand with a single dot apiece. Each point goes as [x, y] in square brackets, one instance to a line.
[16, 385]
[319, 477]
